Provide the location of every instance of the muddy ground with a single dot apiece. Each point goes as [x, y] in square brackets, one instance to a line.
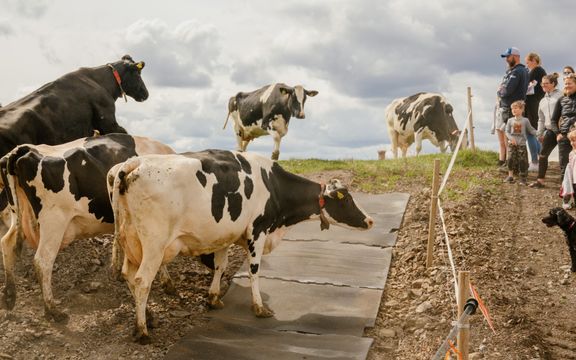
[520, 267]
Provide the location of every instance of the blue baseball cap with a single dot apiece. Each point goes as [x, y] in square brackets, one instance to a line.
[510, 51]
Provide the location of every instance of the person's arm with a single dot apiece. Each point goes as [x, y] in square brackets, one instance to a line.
[510, 85]
[541, 120]
[556, 116]
[507, 129]
[529, 127]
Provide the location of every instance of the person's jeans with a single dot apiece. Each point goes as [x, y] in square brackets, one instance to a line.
[548, 144]
[564, 149]
[534, 147]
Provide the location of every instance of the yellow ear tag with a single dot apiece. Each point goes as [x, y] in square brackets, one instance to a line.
[340, 195]
[139, 66]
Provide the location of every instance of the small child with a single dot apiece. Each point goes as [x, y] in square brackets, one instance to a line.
[569, 182]
[516, 130]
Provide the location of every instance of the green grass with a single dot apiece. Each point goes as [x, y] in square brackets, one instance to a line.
[378, 176]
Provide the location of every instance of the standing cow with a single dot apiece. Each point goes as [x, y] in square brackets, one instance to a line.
[57, 194]
[71, 107]
[199, 203]
[266, 111]
[421, 116]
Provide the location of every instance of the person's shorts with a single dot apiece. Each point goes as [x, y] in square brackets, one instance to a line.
[502, 115]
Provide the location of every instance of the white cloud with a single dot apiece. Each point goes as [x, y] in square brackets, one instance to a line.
[182, 56]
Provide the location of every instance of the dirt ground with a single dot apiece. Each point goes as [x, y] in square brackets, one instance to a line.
[520, 268]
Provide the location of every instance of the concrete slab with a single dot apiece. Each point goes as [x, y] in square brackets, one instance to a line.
[222, 340]
[326, 263]
[388, 203]
[306, 308]
[383, 233]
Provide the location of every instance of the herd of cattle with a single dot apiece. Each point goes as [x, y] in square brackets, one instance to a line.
[69, 171]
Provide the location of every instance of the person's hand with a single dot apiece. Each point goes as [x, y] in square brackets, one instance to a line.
[513, 141]
[559, 137]
[540, 139]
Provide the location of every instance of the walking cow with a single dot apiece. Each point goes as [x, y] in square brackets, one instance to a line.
[57, 194]
[421, 116]
[266, 111]
[199, 203]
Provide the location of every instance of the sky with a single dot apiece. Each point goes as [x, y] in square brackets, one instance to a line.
[359, 55]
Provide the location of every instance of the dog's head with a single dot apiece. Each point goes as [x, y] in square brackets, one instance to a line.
[559, 217]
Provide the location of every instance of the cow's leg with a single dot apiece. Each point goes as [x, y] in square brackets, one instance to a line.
[151, 262]
[394, 145]
[51, 236]
[277, 139]
[220, 264]
[9, 241]
[255, 250]
[418, 139]
[279, 129]
[166, 281]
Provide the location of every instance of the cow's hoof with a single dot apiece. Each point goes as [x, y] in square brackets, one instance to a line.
[214, 302]
[262, 311]
[56, 315]
[8, 301]
[142, 339]
[275, 155]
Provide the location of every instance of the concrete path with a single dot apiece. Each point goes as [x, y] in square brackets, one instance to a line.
[324, 287]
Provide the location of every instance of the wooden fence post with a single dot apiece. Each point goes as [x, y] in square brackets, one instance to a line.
[433, 210]
[463, 295]
[470, 121]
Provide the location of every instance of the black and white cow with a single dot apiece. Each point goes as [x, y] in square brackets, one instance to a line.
[266, 111]
[201, 203]
[71, 107]
[421, 116]
[57, 194]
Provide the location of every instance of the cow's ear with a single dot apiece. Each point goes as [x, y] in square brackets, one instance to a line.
[286, 90]
[449, 109]
[311, 92]
[335, 190]
[127, 58]
[139, 65]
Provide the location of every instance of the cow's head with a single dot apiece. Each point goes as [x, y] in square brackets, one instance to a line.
[297, 98]
[131, 79]
[455, 133]
[341, 209]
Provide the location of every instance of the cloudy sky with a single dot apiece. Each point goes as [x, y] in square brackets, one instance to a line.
[359, 55]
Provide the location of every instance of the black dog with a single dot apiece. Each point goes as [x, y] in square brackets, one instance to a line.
[566, 222]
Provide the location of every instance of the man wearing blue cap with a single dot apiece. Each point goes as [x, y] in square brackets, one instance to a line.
[512, 88]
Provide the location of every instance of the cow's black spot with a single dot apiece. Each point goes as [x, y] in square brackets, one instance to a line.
[226, 168]
[201, 177]
[244, 164]
[89, 165]
[24, 165]
[53, 173]
[248, 187]
[234, 205]
[254, 268]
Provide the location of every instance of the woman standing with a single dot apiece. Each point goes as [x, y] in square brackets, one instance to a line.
[564, 117]
[534, 94]
[546, 129]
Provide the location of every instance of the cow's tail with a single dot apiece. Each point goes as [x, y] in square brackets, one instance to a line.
[8, 197]
[117, 183]
[232, 106]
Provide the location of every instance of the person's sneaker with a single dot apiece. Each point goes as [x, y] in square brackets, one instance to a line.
[503, 168]
[566, 206]
[536, 185]
[522, 182]
[509, 180]
[533, 167]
